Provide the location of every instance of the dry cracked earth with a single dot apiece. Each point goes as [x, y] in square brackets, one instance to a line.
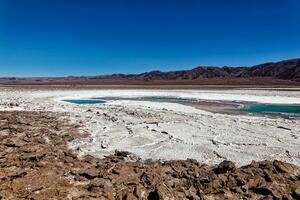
[36, 163]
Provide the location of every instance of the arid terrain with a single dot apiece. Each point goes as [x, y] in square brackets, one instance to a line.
[149, 100]
[133, 149]
[36, 163]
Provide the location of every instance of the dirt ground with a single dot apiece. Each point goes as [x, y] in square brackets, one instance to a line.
[36, 163]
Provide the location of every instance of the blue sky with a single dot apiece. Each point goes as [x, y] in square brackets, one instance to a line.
[92, 37]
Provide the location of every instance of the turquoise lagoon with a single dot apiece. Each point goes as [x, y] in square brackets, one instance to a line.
[271, 108]
[85, 101]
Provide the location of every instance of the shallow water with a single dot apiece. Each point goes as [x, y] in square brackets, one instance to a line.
[253, 108]
[263, 108]
[85, 101]
[172, 99]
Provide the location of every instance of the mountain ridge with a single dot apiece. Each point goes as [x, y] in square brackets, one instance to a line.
[287, 69]
[286, 72]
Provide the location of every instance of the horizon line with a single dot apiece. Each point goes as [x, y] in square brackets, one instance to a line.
[199, 66]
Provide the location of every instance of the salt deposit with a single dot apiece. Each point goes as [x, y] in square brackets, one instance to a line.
[169, 130]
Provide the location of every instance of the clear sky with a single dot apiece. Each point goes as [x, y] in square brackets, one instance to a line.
[92, 37]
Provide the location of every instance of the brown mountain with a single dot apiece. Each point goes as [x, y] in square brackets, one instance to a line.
[285, 72]
[288, 70]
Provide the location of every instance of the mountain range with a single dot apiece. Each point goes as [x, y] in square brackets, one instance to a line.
[288, 70]
[285, 72]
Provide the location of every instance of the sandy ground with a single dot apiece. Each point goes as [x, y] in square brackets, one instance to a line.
[169, 130]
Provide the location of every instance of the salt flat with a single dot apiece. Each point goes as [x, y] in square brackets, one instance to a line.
[160, 130]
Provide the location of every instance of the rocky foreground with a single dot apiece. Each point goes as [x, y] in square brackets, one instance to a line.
[36, 163]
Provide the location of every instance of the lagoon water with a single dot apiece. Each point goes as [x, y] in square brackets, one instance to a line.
[263, 108]
[85, 101]
[255, 108]
[167, 99]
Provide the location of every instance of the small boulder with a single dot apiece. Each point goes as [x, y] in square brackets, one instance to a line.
[283, 167]
[225, 166]
[296, 193]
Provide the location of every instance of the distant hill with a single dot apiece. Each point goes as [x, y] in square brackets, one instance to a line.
[285, 72]
[288, 70]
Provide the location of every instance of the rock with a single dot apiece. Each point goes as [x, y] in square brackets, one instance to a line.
[104, 144]
[131, 197]
[231, 181]
[121, 153]
[255, 182]
[268, 176]
[153, 195]
[285, 128]
[100, 182]
[141, 192]
[224, 167]
[109, 193]
[89, 173]
[283, 167]
[13, 104]
[13, 142]
[229, 195]
[4, 132]
[296, 193]
[215, 184]
[262, 190]
[254, 164]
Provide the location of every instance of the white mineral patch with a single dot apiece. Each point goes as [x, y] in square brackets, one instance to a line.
[169, 130]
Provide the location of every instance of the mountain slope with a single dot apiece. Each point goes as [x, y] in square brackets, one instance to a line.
[285, 72]
[288, 70]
